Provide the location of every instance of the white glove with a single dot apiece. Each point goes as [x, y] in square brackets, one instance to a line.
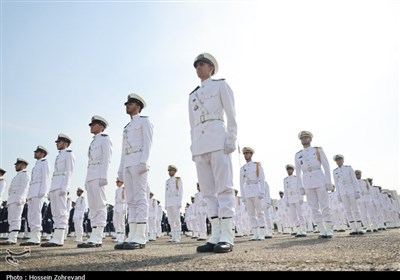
[20, 202]
[62, 193]
[302, 191]
[143, 168]
[329, 187]
[229, 147]
[103, 182]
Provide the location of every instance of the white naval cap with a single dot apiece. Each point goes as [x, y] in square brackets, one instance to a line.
[305, 133]
[208, 58]
[247, 150]
[99, 120]
[338, 156]
[287, 166]
[63, 137]
[357, 171]
[133, 97]
[41, 149]
[172, 167]
[19, 160]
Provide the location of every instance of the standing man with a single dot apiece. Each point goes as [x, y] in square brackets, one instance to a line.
[119, 211]
[173, 203]
[100, 151]
[39, 187]
[314, 182]
[365, 203]
[79, 213]
[294, 199]
[133, 171]
[213, 141]
[3, 184]
[16, 200]
[252, 188]
[348, 190]
[63, 169]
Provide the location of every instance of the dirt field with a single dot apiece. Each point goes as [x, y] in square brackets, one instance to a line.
[371, 252]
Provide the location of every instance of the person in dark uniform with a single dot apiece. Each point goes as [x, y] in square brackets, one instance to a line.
[4, 220]
[47, 222]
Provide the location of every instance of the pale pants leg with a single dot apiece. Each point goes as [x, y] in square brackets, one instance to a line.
[214, 173]
[296, 215]
[366, 213]
[251, 207]
[14, 216]
[267, 215]
[202, 218]
[136, 194]
[351, 208]
[35, 213]
[97, 201]
[78, 223]
[174, 218]
[59, 210]
[318, 200]
[239, 224]
[152, 227]
[119, 222]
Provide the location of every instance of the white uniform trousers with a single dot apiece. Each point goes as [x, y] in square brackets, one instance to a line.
[318, 200]
[201, 220]
[351, 209]
[174, 218]
[119, 221]
[367, 213]
[59, 209]
[267, 217]
[35, 205]
[378, 218]
[97, 202]
[255, 211]
[239, 224]
[214, 173]
[14, 216]
[296, 215]
[78, 224]
[152, 226]
[136, 194]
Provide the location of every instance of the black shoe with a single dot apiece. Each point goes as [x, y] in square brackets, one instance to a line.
[133, 246]
[322, 236]
[7, 243]
[88, 245]
[300, 235]
[206, 248]
[119, 246]
[223, 247]
[29, 243]
[51, 244]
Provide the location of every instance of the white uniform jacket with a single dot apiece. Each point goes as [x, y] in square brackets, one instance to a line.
[63, 170]
[291, 189]
[252, 180]
[207, 105]
[173, 192]
[308, 168]
[136, 143]
[80, 207]
[40, 179]
[345, 180]
[100, 151]
[18, 188]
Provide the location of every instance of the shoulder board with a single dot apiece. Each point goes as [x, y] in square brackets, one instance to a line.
[105, 135]
[68, 151]
[144, 116]
[299, 151]
[127, 124]
[194, 90]
[178, 178]
[218, 80]
[24, 171]
[43, 159]
[335, 168]
[257, 162]
[347, 166]
[317, 147]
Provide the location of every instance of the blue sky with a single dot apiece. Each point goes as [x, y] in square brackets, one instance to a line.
[331, 67]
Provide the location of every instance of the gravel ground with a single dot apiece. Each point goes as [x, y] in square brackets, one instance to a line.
[371, 252]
